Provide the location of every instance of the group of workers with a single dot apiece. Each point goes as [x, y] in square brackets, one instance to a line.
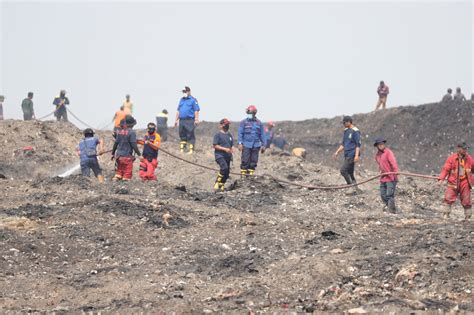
[253, 138]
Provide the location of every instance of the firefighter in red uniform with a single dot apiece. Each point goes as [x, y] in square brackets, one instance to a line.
[151, 144]
[458, 169]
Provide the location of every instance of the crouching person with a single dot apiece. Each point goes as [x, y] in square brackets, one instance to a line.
[124, 147]
[223, 144]
[387, 164]
[151, 144]
[87, 151]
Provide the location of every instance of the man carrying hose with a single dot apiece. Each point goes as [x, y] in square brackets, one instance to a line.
[151, 144]
[87, 151]
[223, 144]
[351, 146]
[61, 101]
[124, 146]
[388, 183]
[458, 170]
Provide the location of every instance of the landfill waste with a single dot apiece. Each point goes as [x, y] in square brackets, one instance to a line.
[70, 245]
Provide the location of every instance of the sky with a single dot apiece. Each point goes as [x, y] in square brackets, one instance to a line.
[293, 60]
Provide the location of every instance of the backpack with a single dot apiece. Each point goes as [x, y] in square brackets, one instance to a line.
[88, 146]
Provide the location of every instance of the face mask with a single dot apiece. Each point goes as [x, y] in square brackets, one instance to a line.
[185, 95]
[225, 127]
[151, 130]
[250, 116]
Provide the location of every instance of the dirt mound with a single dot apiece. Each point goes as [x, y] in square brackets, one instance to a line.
[53, 144]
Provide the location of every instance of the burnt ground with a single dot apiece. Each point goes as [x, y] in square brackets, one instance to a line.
[70, 244]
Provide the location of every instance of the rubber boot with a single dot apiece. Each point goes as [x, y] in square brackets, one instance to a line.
[447, 211]
[251, 172]
[243, 173]
[218, 185]
[467, 214]
[182, 145]
[191, 149]
[100, 178]
[391, 206]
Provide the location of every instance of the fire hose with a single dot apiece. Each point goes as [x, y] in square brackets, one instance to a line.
[308, 186]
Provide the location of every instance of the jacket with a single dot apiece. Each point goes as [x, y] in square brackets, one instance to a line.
[251, 133]
[387, 163]
[187, 107]
[125, 143]
[150, 151]
[453, 170]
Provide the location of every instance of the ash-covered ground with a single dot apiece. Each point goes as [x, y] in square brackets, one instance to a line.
[71, 244]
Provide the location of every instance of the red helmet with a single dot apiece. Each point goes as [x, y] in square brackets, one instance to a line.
[251, 109]
[271, 123]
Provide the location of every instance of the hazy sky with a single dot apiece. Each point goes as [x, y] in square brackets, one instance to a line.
[294, 61]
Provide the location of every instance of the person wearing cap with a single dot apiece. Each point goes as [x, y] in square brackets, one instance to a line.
[2, 99]
[87, 151]
[351, 143]
[223, 144]
[458, 170]
[187, 117]
[127, 105]
[269, 133]
[124, 147]
[382, 91]
[387, 164]
[27, 107]
[162, 125]
[448, 97]
[151, 144]
[251, 141]
[458, 96]
[60, 102]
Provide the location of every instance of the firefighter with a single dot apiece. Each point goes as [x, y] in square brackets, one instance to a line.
[251, 141]
[223, 144]
[124, 147]
[87, 151]
[151, 144]
[187, 117]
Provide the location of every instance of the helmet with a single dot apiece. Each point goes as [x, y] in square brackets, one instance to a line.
[88, 131]
[347, 119]
[130, 121]
[271, 123]
[251, 109]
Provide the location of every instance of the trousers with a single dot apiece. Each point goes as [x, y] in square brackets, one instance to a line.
[249, 158]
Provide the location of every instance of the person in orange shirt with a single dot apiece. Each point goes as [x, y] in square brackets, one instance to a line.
[118, 117]
[151, 144]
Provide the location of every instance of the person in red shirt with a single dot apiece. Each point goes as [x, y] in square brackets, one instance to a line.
[388, 183]
[382, 91]
[458, 170]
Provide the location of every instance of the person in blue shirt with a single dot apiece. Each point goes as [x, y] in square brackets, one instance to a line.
[269, 133]
[187, 117]
[351, 143]
[223, 144]
[87, 151]
[251, 141]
